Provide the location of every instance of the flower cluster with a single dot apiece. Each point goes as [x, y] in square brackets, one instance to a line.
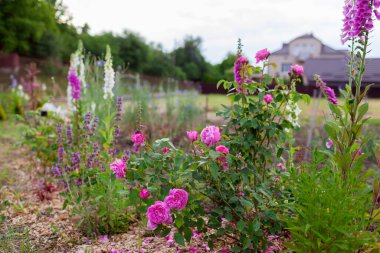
[239, 71]
[160, 212]
[358, 18]
[109, 76]
[74, 84]
[119, 167]
[327, 91]
[210, 135]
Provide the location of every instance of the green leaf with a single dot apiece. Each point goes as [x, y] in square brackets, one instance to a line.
[240, 225]
[179, 239]
[214, 169]
[363, 109]
[246, 203]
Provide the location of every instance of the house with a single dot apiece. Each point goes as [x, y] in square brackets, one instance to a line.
[318, 58]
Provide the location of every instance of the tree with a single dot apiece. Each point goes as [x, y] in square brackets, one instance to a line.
[189, 57]
[24, 23]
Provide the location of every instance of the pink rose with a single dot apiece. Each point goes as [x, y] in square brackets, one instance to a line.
[177, 199]
[119, 167]
[268, 98]
[222, 149]
[210, 135]
[138, 138]
[157, 214]
[165, 149]
[296, 70]
[262, 55]
[144, 193]
[192, 135]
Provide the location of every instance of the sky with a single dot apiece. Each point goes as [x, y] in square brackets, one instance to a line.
[260, 24]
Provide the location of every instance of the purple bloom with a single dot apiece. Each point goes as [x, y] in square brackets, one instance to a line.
[358, 18]
[239, 69]
[329, 144]
[74, 82]
[327, 91]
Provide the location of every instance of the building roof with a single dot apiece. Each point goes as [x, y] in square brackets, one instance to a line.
[336, 70]
[325, 49]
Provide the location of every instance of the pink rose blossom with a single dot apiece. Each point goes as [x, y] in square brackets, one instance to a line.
[165, 149]
[210, 135]
[281, 166]
[119, 167]
[157, 214]
[268, 98]
[144, 193]
[329, 144]
[177, 199]
[222, 149]
[296, 70]
[192, 135]
[138, 138]
[262, 55]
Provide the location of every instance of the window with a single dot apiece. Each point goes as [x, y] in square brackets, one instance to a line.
[285, 67]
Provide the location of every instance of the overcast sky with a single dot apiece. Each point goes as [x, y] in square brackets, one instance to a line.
[260, 24]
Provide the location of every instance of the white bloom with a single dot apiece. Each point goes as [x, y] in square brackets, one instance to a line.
[93, 106]
[70, 99]
[109, 75]
[293, 111]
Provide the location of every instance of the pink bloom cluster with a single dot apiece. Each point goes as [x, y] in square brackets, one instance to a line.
[262, 55]
[358, 17]
[329, 93]
[210, 135]
[74, 83]
[240, 77]
[160, 211]
[296, 70]
[119, 167]
[165, 149]
[268, 98]
[138, 139]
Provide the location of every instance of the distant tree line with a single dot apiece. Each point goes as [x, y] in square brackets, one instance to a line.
[42, 29]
